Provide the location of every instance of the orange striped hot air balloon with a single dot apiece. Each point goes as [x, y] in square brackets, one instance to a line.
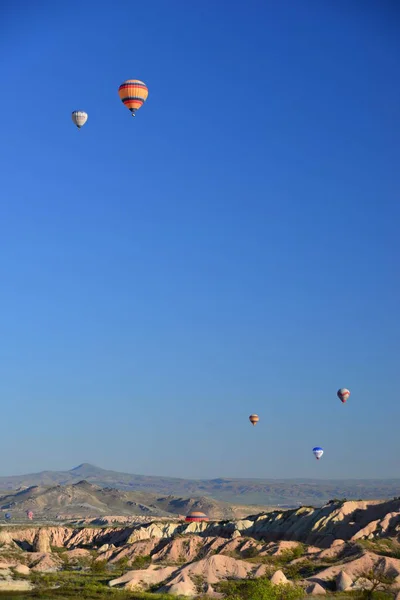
[133, 94]
[254, 419]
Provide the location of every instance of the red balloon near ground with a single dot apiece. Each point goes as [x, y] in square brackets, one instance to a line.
[196, 516]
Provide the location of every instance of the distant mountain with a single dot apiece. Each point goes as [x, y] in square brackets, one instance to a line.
[284, 492]
[84, 499]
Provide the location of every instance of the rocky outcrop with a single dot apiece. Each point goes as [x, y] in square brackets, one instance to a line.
[208, 571]
[141, 579]
[190, 558]
[343, 582]
[41, 543]
[179, 550]
[315, 589]
[15, 585]
[9, 580]
[279, 578]
[21, 570]
[183, 587]
[353, 568]
[321, 527]
[45, 563]
[131, 551]
[201, 575]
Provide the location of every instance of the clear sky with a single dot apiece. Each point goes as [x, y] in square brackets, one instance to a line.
[233, 249]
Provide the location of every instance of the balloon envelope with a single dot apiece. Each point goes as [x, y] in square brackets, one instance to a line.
[133, 94]
[254, 419]
[343, 394]
[79, 117]
[318, 452]
[196, 516]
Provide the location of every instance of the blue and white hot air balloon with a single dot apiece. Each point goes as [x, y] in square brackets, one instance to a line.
[318, 452]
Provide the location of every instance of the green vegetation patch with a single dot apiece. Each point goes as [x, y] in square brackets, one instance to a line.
[88, 585]
[385, 547]
[259, 589]
[275, 560]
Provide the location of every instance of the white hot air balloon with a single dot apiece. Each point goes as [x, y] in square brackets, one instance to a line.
[79, 117]
[318, 452]
[343, 394]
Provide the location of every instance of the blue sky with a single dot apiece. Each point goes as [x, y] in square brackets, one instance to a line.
[233, 249]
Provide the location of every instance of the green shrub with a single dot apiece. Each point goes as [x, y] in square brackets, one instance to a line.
[141, 562]
[259, 589]
[58, 549]
[98, 567]
[251, 552]
[122, 564]
[303, 569]
[290, 554]
[384, 547]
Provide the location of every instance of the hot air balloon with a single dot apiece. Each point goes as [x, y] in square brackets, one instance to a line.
[196, 516]
[343, 394]
[254, 419]
[318, 452]
[133, 94]
[79, 117]
[29, 514]
[7, 516]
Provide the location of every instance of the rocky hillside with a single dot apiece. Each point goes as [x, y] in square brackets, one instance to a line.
[237, 491]
[322, 550]
[84, 499]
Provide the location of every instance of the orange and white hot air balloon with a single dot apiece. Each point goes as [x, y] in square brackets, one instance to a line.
[343, 394]
[254, 419]
[133, 94]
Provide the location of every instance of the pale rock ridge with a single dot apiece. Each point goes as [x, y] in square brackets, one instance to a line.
[142, 578]
[353, 568]
[333, 523]
[15, 585]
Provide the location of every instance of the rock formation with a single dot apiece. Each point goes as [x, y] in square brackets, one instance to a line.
[340, 539]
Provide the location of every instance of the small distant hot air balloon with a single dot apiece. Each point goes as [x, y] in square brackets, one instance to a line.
[196, 516]
[79, 117]
[29, 514]
[7, 516]
[343, 394]
[254, 419]
[133, 94]
[318, 452]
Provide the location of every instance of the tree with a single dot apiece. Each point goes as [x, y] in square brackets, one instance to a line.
[98, 567]
[375, 579]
